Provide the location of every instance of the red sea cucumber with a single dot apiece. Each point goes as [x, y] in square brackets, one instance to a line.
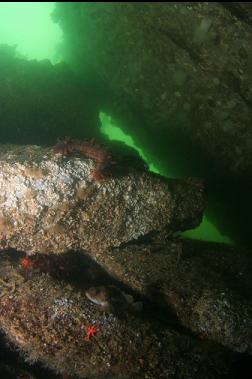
[88, 149]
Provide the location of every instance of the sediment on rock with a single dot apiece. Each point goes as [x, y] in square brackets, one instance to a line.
[51, 203]
[50, 321]
[206, 285]
[183, 67]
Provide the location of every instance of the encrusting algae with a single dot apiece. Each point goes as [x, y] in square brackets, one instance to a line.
[54, 323]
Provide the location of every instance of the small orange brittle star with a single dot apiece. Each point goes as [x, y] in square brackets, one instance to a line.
[26, 263]
[203, 335]
[91, 332]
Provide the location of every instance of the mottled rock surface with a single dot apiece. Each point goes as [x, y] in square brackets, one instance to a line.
[184, 67]
[49, 320]
[242, 10]
[50, 203]
[207, 285]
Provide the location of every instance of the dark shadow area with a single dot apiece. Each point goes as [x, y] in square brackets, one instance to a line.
[13, 365]
[241, 10]
[229, 205]
[228, 197]
[206, 258]
[41, 102]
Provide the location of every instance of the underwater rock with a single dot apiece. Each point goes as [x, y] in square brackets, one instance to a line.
[9, 372]
[52, 204]
[54, 323]
[206, 285]
[241, 10]
[182, 68]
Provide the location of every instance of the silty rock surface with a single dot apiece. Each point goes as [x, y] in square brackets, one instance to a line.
[207, 285]
[50, 321]
[50, 203]
[184, 66]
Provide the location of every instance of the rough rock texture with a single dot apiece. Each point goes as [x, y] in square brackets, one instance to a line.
[207, 285]
[50, 203]
[184, 67]
[8, 371]
[242, 10]
[48, 320]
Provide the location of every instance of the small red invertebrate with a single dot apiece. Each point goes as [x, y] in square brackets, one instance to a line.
[203, 335]
[26, 263]
[91, 332]
[3, 236]
[88, 149]
[142, 258]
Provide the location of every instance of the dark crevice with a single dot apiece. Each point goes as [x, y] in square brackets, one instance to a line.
[70, 268]
[233, 83]
[194, 56]
[13, 365]
[236, 10]
[141, 240]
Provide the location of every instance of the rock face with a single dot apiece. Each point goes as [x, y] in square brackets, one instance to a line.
[242, 10]
[50, 203]
[207, 285]
[51, 322]
[185, 68]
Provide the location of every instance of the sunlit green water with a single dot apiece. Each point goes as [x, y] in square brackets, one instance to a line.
[29, 26]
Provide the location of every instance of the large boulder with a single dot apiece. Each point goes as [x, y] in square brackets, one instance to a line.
[52, 203]
[207, 286]
[184, 67]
